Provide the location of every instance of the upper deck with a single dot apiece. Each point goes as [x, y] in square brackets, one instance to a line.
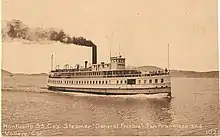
[116, 68]
[110, 73]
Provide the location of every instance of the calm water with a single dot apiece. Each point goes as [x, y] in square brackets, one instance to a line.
[193, 110]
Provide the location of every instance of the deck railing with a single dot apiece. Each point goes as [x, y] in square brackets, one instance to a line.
[107, 75]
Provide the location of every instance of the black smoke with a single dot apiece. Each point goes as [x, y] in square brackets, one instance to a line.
[16, 29]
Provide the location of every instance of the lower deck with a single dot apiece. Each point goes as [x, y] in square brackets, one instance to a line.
[113, 91]
[119, 82]
[120, 85]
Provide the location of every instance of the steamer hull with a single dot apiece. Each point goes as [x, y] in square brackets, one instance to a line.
[166, 91]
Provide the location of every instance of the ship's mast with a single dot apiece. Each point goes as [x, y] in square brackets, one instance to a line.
[110, 49]
[119, 50]
[168, 57]
[51, 62]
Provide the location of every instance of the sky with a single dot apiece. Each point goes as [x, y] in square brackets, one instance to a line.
[139, 30]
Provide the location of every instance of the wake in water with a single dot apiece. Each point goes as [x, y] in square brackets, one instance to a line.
[45, 90]
[137, 96]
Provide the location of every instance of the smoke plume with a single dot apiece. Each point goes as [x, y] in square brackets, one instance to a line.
[15, 29]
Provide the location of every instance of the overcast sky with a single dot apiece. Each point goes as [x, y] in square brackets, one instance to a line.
[142, 28]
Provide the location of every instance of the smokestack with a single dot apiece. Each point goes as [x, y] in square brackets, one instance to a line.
[94, 54]
[86, 62]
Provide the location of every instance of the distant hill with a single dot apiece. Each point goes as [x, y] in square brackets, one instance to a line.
[23, 74]
[194, 74]
[183, 73]
[6, 73]
[148, 68]
[40, 74]
[22, 80]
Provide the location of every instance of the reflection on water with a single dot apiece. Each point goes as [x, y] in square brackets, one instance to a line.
[192, 111]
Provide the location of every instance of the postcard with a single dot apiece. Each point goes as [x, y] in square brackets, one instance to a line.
[110, 68]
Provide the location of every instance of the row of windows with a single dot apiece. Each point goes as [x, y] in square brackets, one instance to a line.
[155, 81]
[103, 65]
[77, 82]
[100, 73]
[102, 82]
[118, 60]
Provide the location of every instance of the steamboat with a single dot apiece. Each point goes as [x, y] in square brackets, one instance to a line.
[112, 78]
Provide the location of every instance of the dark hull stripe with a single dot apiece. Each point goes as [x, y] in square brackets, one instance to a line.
[83, 90]
[110, 88]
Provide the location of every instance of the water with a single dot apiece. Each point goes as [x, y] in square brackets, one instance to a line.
[193, 110]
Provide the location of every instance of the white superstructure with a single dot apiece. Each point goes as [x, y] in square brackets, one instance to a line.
[110, 78]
